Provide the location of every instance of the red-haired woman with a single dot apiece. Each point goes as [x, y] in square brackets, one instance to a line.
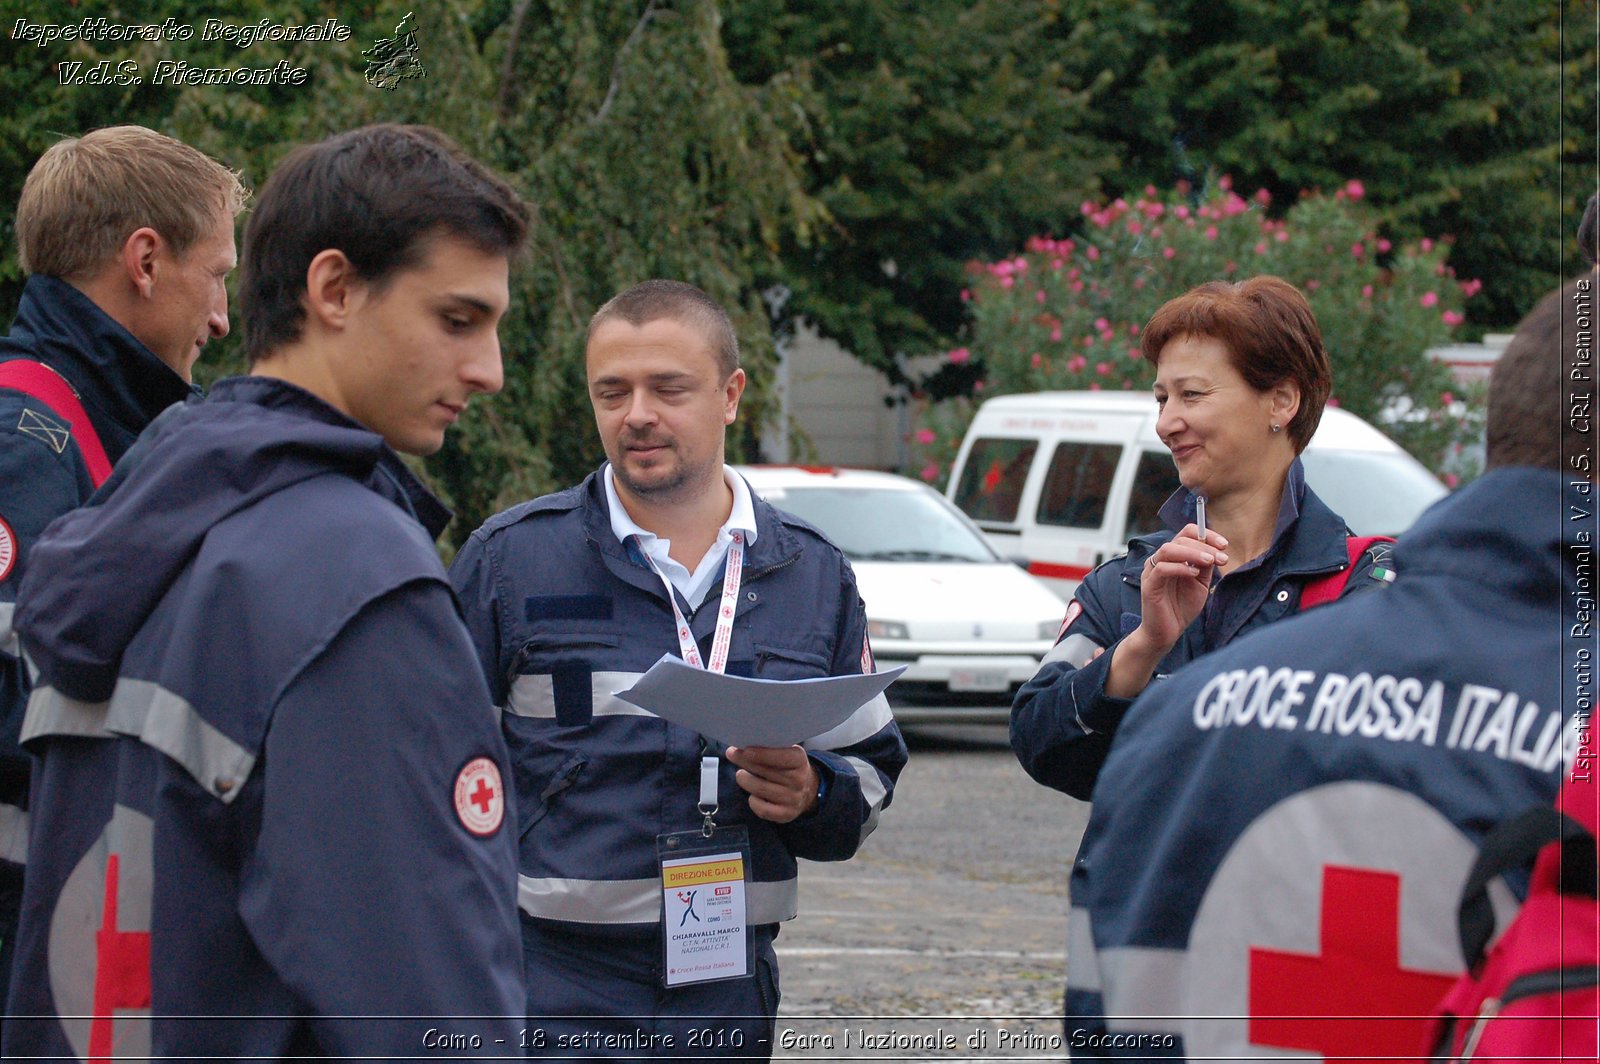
[1241, 380]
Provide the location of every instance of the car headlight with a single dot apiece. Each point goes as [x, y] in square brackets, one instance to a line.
[1049, 630]
[888, 630]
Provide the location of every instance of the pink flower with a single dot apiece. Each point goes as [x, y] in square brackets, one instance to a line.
[1086, 341]
[1056, 264]
[1261, 247]
[1101, 324]
[966, 295]
[1282, 236]
[1429, 298]
[1169, 252]
[926, 436]
[1035, 360]
[1103, 368]
[1230, 266]
[1312, 284]
[1149, 190]
[1358, 249]
[1355, 189]
[1427, 245]
[1384, 245]
[1471, 288]
[1038, 297]
[1438, 271]
[1007, 281]
[1333, 401]
[1446, 398]
[1087, 208]
[960, 355]
[977, 386]
[1055, 334]
[1133, 329]
[1181, 211]
[1106, 335]
[1211, 232]
[1135, 226]
[1138, 282]
[1183, 186]
[1076, 286]
[1366, 291]
[1224, 182]
[1094, 386]
[1133, 354]
[1076, 363]
[930, 472]
[1093, 253]
[1451, 480]
[1452, 319]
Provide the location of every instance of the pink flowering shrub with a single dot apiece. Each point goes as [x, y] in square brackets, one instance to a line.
[1066, 312]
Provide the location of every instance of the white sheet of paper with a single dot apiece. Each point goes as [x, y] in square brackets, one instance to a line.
[740, 711]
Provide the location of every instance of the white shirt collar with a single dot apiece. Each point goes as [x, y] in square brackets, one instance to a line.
[693, 585]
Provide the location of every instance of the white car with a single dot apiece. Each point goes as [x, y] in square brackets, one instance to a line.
[969, 625]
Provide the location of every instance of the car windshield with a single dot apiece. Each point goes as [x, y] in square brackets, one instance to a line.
[878, 525]
[1376, 493]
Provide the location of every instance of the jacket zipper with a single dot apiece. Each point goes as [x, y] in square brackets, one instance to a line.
[1532, 985]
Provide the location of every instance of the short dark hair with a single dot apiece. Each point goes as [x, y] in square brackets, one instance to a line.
[1269, 331]
[380, 194]
[651, 301]
[1532, 390]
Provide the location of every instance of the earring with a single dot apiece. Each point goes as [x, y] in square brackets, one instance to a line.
[1276, 427]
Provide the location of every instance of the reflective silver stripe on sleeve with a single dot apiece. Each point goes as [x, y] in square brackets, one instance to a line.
[1075, 650]
[637, 901]
[534, 695]
[872, 789]
[164, 721]
[1082, 971]
[1143, 989]
[13, 834]
[52, 713]
[8, 635]
[863, 724]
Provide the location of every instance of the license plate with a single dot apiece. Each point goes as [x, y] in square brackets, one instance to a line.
[980, 680]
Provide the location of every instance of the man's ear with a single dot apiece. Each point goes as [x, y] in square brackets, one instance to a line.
[732, 390]
[331, 288]
[139, 259]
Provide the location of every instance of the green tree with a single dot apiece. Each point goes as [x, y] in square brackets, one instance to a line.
[1451, 114]
[932, 133]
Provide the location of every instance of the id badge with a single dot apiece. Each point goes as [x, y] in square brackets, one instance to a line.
[703, 887]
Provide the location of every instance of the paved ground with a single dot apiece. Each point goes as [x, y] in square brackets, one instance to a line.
[945, 937]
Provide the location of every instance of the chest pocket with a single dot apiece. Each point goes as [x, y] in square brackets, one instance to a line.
[773, 662]
[554, 675]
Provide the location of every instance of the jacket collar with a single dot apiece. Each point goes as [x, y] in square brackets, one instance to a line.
[1514, 529]
[773, 546]
[1307, 538]
[388, 475]
[121, 383]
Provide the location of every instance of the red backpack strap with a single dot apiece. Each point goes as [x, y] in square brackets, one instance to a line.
[51, 389]
[1325, 589]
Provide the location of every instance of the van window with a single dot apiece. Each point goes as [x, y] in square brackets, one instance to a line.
[1077, 484]
[1377, 493]
[1153, 484]
[992, 480]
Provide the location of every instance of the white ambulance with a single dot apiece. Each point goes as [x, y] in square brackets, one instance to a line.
[1060, 481]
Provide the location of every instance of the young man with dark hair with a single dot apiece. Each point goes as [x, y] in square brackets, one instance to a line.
[127, 237]
[1281, 833]
[271, 811]
[569, 597]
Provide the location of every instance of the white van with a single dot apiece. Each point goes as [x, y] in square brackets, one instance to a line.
[1062, 480]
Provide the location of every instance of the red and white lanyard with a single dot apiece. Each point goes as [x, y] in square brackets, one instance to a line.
[724, 630]
[720, 640]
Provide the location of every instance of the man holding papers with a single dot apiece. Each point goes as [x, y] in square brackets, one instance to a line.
[656, 863]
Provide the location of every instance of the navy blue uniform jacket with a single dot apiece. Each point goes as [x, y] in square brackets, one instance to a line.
[563, 615]
[1280, 835]
[261, 731]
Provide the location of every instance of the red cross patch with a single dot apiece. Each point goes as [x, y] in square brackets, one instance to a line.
[1073, 610]
[8, 549]
[480, 797]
